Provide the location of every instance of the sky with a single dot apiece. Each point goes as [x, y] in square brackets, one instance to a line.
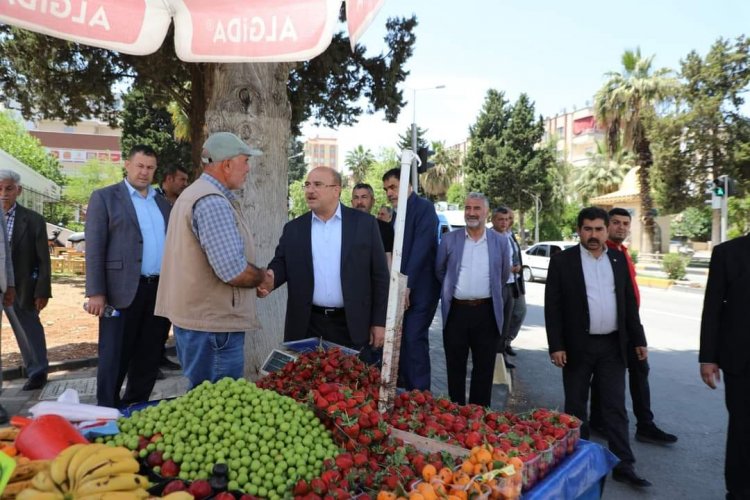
[557, 52]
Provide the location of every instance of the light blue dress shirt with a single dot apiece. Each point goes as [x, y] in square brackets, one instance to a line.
[326, 253]
[153, 229]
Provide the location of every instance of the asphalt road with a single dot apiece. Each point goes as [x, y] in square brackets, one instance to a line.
[693, 467]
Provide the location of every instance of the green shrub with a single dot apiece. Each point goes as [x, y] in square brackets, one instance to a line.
[674, 265]
[633, 256]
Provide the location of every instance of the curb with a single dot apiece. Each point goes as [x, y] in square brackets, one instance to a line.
[61, 366]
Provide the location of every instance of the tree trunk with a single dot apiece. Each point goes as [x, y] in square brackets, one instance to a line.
[645, 160]
[251, 101]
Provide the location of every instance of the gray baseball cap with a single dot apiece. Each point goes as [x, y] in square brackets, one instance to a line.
[224, 145]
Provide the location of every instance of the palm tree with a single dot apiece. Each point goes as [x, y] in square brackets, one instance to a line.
[620, 106]
[359, 161]
[436, 181]
[604, 173]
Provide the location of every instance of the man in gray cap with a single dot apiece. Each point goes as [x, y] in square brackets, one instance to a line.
[208, 274]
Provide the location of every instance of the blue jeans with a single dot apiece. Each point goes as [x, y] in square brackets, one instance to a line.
[210, 356]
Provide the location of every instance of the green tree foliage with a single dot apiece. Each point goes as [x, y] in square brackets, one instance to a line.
[693, 223]
[436, 181]
[504, 161]
[739, 217]
[17, 142]
[705, 134]
[93, 175]
[675, 266]
[604, 172]
[296, 158]
[456, 193]
[621, 105]
[146, 121]
[404, 140]
[358, 161]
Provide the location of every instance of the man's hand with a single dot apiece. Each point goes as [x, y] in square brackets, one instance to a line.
[9, 297]
[377, 336]
[407, 293]
[96, 305]
[266, 286]
[515, 269]
[40, 303]
[641, 352]
[559, 358]
[710, 374]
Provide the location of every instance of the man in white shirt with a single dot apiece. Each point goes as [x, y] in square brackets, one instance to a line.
[472, 265]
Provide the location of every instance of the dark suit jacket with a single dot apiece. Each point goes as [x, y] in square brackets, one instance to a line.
[420, 250]
[30, 252]
[114, 244]
[364, 274]
[566, 308]
[725, 334]
[520, 283]
[448, 266]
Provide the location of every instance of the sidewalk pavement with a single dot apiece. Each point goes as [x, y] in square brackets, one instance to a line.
[18, 402]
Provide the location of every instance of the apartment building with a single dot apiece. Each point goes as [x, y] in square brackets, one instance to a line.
[575, 134]
[322, 152]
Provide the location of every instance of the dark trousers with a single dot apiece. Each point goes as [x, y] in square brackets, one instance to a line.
[330, 328]
[737, 462]
[414, 358]
[130, 344]
[509, 291]
[640, 392]
[29, 334]
[470, 328]
[516, 318]
[600, 359]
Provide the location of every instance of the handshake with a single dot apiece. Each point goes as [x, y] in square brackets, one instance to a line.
[266, 286]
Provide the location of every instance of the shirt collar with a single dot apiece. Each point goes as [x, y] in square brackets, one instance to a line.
[150, 193]
[221, 187]
[586, 250]
[336, 215]
[482, 238]
[620, 247]
[11, 211]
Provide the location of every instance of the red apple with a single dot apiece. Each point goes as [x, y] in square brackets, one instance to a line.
[172, 486]
[170, 469]
[224, 495]
[200, 489]
[155, 458]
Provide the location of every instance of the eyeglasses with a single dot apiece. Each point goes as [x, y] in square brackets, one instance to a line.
[317, 185]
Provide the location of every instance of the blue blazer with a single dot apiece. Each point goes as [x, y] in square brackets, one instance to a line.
[419, 250]
[114, 244]
[448, 265]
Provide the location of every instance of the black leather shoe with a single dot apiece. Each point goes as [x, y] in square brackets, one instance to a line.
[510, 351]
[160, 375]
[35, 382]
[654, 435]
[3, 415]
[628, 475]
[169, 364]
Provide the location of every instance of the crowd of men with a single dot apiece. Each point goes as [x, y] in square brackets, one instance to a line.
[336, 261]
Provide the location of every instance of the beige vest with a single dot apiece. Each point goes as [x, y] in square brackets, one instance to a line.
[190, 294]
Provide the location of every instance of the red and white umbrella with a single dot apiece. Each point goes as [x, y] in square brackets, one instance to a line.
[205, 30]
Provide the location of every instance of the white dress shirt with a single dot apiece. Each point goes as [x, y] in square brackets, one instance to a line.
[326, 254]
[474, 274]
[600, 292]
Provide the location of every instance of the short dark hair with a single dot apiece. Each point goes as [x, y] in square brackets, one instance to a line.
[364, 185]
[592, 213]
[394, 172]
[502, 209]
[620, 211]
[173, 169]
[143, 149]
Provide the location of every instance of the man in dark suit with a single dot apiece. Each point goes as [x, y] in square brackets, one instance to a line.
[27, 234]
[7, 290]
[725, 346]
[418, 264]
[363, 198]
[591, 317]
[501, 223]
[518, 314]
[125, 231]
[333, 261]
[472, 264]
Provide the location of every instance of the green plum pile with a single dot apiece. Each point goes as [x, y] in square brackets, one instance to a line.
[268, 441]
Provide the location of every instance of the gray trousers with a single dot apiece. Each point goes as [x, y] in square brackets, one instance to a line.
[29, 334]
[517, 315]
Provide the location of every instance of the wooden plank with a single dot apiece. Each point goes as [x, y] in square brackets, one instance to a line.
[429, 445]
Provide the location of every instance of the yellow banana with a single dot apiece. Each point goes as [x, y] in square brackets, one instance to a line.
[110, 468]
[32, 494]
[118, 482]
[59, 466]
[43, 481]
[103, 457]
[117, 495]
[179, 495]
[78, 458]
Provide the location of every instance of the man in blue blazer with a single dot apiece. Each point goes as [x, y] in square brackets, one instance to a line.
[473, 265]
[125, 230]
[418, 264]
[333, 260]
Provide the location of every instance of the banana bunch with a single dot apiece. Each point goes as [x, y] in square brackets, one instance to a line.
[89, 472]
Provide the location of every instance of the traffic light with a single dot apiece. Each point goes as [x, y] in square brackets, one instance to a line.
[719, 187]
[424, 157]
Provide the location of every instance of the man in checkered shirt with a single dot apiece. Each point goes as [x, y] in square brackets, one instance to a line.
[208, 271]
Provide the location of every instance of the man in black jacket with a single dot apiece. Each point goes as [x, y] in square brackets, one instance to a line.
[591, 314]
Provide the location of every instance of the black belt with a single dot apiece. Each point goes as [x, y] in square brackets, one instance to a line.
[471, 302]
[153, 278]
[603, 334]
[328, 312]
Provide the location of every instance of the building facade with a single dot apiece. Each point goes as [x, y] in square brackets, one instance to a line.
[322, 152]
[574, 134]
[37, 189]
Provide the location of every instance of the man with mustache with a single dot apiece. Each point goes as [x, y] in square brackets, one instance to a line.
[591, 317]
[363, 198]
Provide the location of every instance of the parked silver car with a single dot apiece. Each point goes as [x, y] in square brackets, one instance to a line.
[536, 258]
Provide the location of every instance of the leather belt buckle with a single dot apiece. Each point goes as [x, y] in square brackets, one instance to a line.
[153, 278]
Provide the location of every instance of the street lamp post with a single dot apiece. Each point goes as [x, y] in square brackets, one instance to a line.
[414, 174]
[538, 206]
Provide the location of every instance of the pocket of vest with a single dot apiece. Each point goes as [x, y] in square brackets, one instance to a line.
[236, 297]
